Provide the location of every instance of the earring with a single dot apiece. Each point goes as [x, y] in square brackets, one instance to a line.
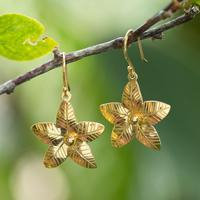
[134, 118]
[67, 137]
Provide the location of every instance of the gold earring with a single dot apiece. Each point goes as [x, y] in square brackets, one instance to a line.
[67, 137]
[134, 118]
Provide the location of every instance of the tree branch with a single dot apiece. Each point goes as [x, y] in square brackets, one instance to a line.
[155, 33]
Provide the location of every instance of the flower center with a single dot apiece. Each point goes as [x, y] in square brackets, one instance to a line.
[133, 119]
[70, 138]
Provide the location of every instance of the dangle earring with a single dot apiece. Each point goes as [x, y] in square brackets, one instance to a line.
[134, 118]
[67, 137]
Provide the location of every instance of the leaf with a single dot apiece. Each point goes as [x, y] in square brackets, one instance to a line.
[89, 131]
[114, 111]
[155, 111]
[122, 134]
[82, 155]
[132, 97]
[47, 132]
[189, 3]
[55, 155]
[65, 116]
[196, 2]
[20, 38]
[148, 136]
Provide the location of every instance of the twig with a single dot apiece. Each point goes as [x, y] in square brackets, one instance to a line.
[155, 33]
[189, 15]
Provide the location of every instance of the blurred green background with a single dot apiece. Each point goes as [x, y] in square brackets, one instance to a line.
[133, 172]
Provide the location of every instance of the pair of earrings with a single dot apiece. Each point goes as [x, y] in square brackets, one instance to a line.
[133, 118]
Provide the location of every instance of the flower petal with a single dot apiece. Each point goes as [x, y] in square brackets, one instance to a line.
[132, 97]
[55, 155]
[114, 112]
[155, 111]
[47, 132]
[65, 116]
[148, 136]
[82, 155]
[89, 131]
[122, 134]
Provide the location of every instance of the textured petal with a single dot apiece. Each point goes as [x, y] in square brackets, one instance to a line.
[148, 136]
[114, 112]
[132, 97]
[47, 132]
[82, 155]
[89, 131]
[55, 155]
[65, 117]
[155, 111]
[122, 134]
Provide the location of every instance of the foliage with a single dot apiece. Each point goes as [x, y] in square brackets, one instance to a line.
[197, 2]
[20, 38]
[188, 3]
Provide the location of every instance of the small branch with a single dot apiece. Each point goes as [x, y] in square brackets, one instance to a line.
[161, 15]
[155, 33]
[189, 15]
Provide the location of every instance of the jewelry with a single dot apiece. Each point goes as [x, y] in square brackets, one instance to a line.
[134, 118]
[67, 137]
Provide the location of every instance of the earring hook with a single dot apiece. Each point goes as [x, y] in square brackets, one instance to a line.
[66, 87]
[125, 49]
[131, 68]
[141, 50]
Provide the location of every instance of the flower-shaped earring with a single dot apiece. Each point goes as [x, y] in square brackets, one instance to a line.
[67, 137]
[134, 118]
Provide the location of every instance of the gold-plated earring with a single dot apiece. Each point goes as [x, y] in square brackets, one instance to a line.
[134, 118]
[67, 137]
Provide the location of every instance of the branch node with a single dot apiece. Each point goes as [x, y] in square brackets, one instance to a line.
[158, 36]
[118, 43]
[7, 87]
[56, 53]
[194, 10]
[167, 14]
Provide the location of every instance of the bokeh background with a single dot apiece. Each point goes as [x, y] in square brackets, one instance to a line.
[130, 173]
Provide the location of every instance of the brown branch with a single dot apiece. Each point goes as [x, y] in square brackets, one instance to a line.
[156, 33]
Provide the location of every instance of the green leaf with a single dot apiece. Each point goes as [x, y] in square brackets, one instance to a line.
[192, 2]
[21, 38]
[196, 2]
